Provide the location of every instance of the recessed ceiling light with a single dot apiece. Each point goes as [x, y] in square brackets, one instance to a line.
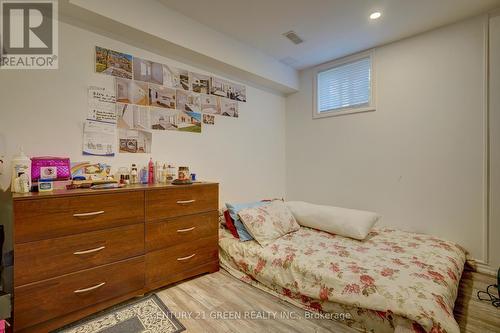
[375, 15]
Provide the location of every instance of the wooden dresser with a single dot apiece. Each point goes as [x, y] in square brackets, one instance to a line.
[78, 252]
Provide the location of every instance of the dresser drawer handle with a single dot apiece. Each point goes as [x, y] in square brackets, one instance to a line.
[90, 251]
[79, 291]
[186, 258]
[89, 214]
[184, 202]
[186, 230]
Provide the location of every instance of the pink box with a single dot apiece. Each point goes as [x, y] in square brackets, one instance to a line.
[50, 168]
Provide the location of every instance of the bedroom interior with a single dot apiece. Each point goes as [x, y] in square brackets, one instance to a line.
[237, 166]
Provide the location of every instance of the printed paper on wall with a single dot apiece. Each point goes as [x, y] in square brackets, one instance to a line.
[99, 138]
[101, 104]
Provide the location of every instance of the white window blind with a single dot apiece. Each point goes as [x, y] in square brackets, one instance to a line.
[344, 86]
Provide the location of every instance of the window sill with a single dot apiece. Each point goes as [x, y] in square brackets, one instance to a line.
[342, 112]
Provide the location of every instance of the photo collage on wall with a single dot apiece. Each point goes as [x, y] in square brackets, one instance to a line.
[154, 96]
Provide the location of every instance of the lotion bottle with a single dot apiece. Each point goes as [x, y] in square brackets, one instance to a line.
[21, 164]
[134, 175]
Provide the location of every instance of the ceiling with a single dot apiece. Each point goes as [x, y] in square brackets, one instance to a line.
[330, 28]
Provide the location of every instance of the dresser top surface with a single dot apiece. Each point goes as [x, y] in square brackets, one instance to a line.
[87, 191]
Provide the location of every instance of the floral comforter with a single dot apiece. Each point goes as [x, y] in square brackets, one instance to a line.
[391, 274]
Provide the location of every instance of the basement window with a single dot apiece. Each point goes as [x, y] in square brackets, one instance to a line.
[344, 86]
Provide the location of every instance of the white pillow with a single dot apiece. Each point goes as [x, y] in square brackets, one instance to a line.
[335, 220]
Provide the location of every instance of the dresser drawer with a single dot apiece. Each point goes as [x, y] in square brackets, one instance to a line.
[182, 200]
[44, 259]
[55, 217]
[39, 302]
[185, 229]
[168, 265]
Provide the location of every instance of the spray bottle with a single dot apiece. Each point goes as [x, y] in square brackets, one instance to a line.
[151, 172]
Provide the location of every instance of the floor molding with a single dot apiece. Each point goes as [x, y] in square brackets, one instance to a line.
[481, 267]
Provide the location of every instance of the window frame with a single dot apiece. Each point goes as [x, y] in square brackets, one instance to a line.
[347, 110]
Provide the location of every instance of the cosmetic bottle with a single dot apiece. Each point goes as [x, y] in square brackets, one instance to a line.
[144, 175]
[134, 174]
[21, 164]
[151, 172]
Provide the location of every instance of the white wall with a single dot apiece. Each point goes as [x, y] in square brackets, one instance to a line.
[419, 158]
[44, 112]
[495, 140]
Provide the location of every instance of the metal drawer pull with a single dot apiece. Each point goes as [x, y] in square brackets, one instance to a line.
[183, 202]
[79, 291]
[89, 214]
[186, 258]
[186, 230]
[90, 251]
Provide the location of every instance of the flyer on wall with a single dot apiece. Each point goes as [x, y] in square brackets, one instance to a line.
[101, 103]
[99, 138]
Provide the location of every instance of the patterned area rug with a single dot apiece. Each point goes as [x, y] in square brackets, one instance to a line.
[147, 314]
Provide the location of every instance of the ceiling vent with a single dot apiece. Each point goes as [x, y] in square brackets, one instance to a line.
[293, 37]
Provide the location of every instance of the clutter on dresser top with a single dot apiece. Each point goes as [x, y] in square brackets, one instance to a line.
[46, 174]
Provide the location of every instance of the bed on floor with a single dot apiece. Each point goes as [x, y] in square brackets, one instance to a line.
[393, 281]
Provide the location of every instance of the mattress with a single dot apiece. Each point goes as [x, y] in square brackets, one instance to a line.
[391, 281]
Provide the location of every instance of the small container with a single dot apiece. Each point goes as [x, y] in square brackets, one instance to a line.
[183, 173]
[171, 173]
[45, 186]
[120, 174]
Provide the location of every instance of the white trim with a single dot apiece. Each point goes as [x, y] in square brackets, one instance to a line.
[486, 140]
[339, 112]
[480, 266]
[486, 269]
